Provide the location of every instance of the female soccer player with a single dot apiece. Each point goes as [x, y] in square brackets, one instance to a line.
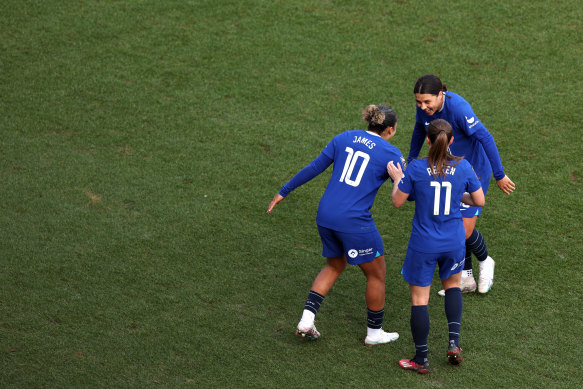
[476, 145]
[346, 227]
[437, 184]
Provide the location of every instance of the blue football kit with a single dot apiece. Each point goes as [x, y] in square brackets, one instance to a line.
[344, 219]
[437, 227]
[471, 140]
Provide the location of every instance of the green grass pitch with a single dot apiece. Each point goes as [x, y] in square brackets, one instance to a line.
[141, 142]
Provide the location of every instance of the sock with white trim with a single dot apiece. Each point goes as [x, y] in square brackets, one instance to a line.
[477, 244]
[420, 330]
[453, 313]
[311, 308]
[374, 322]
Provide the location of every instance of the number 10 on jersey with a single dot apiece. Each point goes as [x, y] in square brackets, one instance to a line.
[349, 165]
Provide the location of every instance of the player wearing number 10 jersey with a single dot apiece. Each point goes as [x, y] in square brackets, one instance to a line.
[345, 223]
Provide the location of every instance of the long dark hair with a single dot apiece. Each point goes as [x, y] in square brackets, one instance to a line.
[429, 84]
[379, 117]
[439, 133]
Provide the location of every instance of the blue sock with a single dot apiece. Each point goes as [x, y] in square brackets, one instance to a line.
[420, 331]
[313, 302]
[375, 319]
[453, 312]
[477, 245]
[468, 259]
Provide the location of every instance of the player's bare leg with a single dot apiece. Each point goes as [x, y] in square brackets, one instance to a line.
[320, 288]
[375, 272]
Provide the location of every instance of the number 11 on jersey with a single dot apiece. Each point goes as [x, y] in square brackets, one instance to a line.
[436, 200]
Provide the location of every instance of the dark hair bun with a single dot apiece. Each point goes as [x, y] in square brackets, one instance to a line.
[379, 117]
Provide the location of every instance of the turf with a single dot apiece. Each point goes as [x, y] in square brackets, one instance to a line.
[142, 141]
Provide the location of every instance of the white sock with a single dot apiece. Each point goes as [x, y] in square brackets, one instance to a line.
[308, 318]
[467, 273]
[373, 332]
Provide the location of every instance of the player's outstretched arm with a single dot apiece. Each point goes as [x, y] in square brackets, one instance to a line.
[276, 200]
[506, 185]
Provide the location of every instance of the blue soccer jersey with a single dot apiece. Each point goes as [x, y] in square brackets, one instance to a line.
[437, 224]
[360, 168]
[471, 139]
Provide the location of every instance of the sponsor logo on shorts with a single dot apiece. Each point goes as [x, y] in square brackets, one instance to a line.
[460, 263]
[365, 252]
[353, 253]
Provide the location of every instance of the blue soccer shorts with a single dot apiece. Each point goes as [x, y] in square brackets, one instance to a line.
[419, 267]
[469, 211]
[358, 247]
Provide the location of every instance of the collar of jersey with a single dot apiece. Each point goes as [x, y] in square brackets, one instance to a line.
[443, 105]
[373, 133]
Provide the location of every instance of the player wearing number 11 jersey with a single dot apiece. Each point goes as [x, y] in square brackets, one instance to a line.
[438, 184]
[345, 223]
[437, 225]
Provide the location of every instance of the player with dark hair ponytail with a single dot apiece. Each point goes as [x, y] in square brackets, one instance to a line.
[473, 142]
[439, 133]
[437, 184]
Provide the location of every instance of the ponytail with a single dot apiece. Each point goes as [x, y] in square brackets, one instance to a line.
[440, 133]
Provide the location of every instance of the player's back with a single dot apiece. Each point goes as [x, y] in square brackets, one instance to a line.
[437, 224]
[360, 160]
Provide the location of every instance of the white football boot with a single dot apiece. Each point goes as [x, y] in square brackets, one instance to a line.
[308, 331]
[486, 278]
[467, 285]
[382, 337]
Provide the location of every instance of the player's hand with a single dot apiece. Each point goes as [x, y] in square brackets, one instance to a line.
[506, 185]
[276, 200]
[396, 172]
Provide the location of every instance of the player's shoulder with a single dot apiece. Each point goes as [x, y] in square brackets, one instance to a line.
[344, 137]
[465, 165]
[419, 164]
[392, 153]
[455, 97]
[464, 162]
[346, 133]
[392, 148]
[457, 103]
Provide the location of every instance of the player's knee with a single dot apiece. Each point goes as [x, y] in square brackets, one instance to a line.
[337, 264]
